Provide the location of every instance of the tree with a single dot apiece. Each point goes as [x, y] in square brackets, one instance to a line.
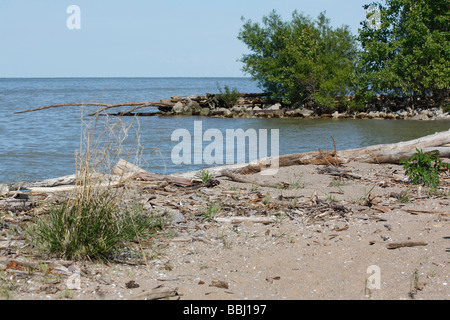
[299, 60]
[407, 53]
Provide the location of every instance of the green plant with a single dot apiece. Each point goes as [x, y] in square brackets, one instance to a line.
[423, 168]
[206, 175]
[403, 197]
[337, 183]
[331, 198]
[93, 229]
[266, 199]
[95, 220]
[414, 285]
[228, 95]
[211, 212]
[6, 287]
[293, 203]
[297, 183]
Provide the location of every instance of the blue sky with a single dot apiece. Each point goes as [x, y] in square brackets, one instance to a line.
[142, 38]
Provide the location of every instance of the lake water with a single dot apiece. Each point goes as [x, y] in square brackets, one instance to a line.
[40, 145]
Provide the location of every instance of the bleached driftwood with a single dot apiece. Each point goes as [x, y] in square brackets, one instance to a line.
[123, 172]
[242, 179]
[235, 220]
[383, 153]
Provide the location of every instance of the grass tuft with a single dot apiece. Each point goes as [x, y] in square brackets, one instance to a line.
[95, 221]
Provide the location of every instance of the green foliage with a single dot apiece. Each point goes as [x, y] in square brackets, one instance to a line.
[300, 60]
[406, 55]
[206, 175]
[211, 212]
[228, 95]
[403, 197]
[267, 198]
[92, 229]
[424, 168]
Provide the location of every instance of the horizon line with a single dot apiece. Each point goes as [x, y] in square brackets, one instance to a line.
[131, 77]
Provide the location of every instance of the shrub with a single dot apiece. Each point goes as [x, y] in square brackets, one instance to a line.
[229, 96]
[424, 168]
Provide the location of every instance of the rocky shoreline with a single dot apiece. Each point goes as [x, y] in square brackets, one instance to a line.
[254, 105]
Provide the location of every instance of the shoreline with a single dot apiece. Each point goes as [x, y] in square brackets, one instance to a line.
[327, 231]
[254, 105]
[329, 228]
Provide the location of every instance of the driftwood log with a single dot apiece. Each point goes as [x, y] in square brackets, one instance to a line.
[123, 172]
[242, 179]
[383, 153]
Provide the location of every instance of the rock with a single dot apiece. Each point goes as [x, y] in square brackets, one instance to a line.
[193, 106]
[436, 112]
[4, 190]
[276, 106]
[221, 112]
[178, 108]
[257, 108]
[131, 284]
[401, 114]
[337, 115]
[373, 114]
[420, 116]
[362, 115]
[306, 113]
[187, 111]
[238, 109]
[205, 112]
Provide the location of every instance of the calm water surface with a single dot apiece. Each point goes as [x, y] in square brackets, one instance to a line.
[40, 145]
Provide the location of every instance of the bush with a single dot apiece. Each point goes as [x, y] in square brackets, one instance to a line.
[228, 96]
[424, 168]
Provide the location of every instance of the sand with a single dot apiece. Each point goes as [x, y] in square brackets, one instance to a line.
[321, 239]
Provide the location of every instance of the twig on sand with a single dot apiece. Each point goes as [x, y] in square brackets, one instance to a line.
[397, 245]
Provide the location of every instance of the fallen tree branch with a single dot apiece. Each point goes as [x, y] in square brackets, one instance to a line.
[137, 105]
[405, 244]
[427, 212]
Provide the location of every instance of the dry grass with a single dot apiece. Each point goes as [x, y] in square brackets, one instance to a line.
[98, 217]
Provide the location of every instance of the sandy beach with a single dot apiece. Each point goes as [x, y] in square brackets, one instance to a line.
[317, 239]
